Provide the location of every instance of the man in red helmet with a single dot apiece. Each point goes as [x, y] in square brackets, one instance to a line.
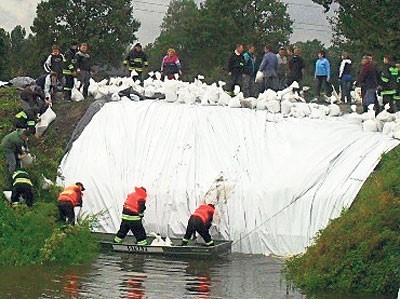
[200, 221]
[132, 215]
[70, 198]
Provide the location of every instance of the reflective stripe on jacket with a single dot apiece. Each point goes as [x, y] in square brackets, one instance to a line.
[21, 177]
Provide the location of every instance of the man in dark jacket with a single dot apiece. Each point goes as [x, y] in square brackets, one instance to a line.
[69, 71]
[22, 188]
[136, 61]
[236, 65]
[368, 82]
[249, 72]
[295, 67]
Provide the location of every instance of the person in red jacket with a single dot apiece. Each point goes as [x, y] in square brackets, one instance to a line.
[70, 198]
[132, 215]
[200, 221]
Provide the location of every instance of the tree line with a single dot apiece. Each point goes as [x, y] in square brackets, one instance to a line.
[203, 35]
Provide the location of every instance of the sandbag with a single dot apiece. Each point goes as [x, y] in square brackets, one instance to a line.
[45, 120]
[7, 195]
[76, 95]
[259, 77]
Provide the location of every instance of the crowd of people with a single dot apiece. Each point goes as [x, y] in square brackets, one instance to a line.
[278, 70]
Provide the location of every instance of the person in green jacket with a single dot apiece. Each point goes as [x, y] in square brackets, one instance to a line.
[12, 146]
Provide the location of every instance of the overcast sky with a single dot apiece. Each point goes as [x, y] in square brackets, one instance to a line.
[309, 21]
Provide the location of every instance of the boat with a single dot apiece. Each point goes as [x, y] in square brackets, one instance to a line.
[193, 249]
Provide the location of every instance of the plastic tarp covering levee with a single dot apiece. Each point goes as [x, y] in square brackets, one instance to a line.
[289, 177]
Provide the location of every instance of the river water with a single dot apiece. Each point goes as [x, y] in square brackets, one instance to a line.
[119, 275]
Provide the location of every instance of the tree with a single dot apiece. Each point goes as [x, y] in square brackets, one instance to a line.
[4, 54]
[108, 27]
[366, 25]
[205, 36]
[19, 52]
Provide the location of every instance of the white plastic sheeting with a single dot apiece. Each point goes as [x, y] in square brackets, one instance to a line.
[290, 177]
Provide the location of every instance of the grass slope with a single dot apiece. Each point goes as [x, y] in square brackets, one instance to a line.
[31, 236]
[359, 251]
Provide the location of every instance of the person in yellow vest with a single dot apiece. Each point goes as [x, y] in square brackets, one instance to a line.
[70, 198]
[132, 214]
[22, 188]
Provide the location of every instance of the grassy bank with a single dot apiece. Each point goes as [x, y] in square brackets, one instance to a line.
[359, 251]
[31, 236]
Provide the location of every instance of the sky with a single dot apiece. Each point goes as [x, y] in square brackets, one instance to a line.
[309, 20]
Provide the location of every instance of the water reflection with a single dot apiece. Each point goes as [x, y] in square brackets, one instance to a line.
[140, 276]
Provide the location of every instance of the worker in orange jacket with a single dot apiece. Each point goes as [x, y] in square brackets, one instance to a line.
[70, 198]
[200, 221]
[132, 214]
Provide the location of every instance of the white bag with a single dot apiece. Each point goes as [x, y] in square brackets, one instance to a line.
[259, 77]
[45, 120]
[76, 95]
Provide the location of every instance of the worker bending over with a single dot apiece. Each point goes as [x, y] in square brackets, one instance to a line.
[70, 198]
[200, 221]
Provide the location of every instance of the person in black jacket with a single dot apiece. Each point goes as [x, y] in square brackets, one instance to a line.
[22, 188]
[136, 61]
[84, 67]
[69, 71]
[236, 66]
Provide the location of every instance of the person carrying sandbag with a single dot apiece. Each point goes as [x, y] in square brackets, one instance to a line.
[70, 198]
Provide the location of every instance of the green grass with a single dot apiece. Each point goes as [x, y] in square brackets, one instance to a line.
[358, 252]
[33, 236]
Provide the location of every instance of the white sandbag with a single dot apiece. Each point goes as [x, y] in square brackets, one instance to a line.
[386, 116]
[334, 110]
[115, 97]
[149, 91]
[370, 126]
[317, 113]
[26, 160]
[170, 88]
[273, 106]
[259, 77]
[45, 120]
[234, 102]
[303, 108]
[224, 99]
[388, 128]
[7, 195]
[93, 86]
[270, 95]
[76, 95]
[190, 99]
[46, 184]
[396, 131]
[261, 104]
[211, 95]
[286, 106]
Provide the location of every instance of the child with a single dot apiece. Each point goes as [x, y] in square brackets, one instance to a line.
[55, 62]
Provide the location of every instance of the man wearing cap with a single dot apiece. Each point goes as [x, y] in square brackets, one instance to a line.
[70, 198]
[132, 214]
[136, 60]
[200, 221]
[69, 71]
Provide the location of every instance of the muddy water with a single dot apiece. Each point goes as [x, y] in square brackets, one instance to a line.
[138, 277]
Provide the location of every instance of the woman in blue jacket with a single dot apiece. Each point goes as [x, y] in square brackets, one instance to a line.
[322, 75]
